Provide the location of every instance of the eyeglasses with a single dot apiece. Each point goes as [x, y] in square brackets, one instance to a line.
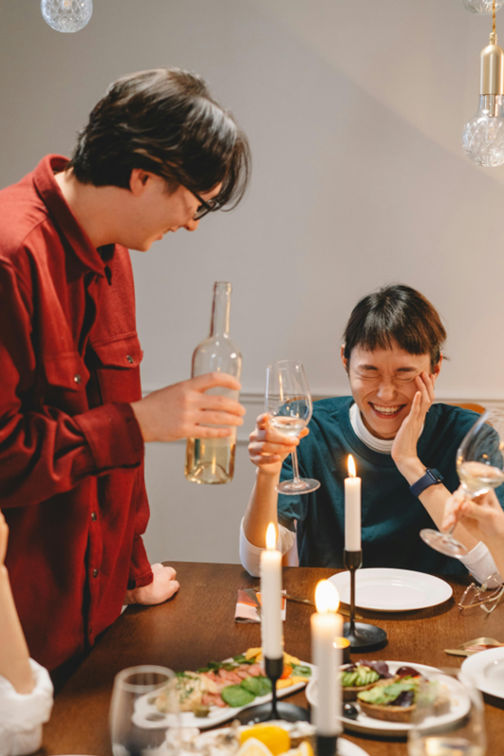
[205, 206]
[479, 595]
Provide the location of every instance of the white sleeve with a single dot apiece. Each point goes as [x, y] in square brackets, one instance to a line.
[250, 555]
[481, 565]
[22, 714]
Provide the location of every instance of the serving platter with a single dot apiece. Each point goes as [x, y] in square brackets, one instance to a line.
[390, 590]
[459, 705]
[147, 715]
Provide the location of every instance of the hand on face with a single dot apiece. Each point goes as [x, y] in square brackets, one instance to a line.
[268, 447]
[406, 439]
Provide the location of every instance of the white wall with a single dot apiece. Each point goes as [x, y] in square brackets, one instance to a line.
[354, 112]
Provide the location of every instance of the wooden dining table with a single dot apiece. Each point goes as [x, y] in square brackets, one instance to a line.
[198, 625]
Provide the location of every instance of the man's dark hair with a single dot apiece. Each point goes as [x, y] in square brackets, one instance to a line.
[163, 121]
[398, 314]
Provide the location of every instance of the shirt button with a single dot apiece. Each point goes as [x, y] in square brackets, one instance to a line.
[77, 378]
[95, 572]
[94, 516]
[130, 359]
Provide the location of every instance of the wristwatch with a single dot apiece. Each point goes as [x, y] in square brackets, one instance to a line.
[430, 478]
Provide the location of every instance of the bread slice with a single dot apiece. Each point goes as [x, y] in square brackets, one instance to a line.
[393, 713]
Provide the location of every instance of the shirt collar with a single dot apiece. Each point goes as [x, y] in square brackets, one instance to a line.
[61, 215]
[382, 445]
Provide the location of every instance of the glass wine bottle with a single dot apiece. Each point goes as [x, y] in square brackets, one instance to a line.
[211, 460]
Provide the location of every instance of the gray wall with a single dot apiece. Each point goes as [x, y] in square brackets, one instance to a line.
[354, 112]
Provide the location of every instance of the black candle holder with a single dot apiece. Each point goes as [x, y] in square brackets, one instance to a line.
[362, 636]
[274, 709]
[326, 745]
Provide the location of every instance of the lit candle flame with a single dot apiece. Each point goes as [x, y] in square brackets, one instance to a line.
[352, 472]
[326, 597]
[271, 536]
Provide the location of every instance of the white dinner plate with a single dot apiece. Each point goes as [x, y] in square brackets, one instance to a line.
[486, 670]
[147, 715]
[459, 705]
[390, 590]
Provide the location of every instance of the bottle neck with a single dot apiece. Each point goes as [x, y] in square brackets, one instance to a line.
[219, 324]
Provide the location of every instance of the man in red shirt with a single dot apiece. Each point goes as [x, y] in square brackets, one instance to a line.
[157, 154]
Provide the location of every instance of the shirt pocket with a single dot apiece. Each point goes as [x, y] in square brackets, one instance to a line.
[66, 377]
[118, 368]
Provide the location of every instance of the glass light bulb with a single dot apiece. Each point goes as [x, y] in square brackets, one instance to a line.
[483, 6]
[68, 15]
[483, 137]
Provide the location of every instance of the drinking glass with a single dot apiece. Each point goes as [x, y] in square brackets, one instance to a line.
[480, 467]
[288, 402]
[137, 728]
[448, 718]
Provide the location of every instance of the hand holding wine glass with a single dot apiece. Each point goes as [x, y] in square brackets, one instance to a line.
[480, 467]
[289, 404]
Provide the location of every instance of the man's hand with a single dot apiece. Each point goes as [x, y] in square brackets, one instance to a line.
[185, 410]
[163, 587]
[404, 449]
[269, 447]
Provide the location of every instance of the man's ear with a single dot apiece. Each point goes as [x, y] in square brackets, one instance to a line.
[437, 368]
[138, 180]
[344, 360]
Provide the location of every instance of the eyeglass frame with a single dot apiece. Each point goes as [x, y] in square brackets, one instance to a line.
[205, 206]
[494, 598]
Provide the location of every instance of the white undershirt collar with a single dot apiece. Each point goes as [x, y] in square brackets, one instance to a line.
[381, 445]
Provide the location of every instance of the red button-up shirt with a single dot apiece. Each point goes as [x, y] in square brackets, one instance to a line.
[71, 452]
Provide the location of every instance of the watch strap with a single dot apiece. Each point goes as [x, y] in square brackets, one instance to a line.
[430, 478]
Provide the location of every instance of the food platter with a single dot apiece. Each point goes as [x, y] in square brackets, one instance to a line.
[459, 705]
[486, 670]
[223, 741]
[147, 715]
[391, 590]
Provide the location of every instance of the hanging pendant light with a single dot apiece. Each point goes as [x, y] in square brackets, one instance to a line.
[67, 15]
[483, 137]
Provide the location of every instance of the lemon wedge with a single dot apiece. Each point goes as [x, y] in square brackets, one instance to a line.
[303, 749]
[253, 747]
[275, 738]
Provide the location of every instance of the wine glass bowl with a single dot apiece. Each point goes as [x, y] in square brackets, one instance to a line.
[448, 717]
[289, 405]
[132, 732]
[480, 467]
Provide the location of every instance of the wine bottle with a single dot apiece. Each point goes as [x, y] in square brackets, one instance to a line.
[211, 460]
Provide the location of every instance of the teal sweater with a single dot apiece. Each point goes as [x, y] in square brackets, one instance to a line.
[391, 515]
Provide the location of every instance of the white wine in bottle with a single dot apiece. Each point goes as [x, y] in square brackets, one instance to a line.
[211, 460]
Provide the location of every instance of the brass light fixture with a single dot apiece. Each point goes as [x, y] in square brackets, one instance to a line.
[483, 137]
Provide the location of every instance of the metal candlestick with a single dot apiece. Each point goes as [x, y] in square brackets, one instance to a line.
[276, 709]
[362, 636]
[326, 745]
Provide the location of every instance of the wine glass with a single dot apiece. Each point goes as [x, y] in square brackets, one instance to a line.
[448, 718]
[137, 726]
[289, 404]
[480, 467]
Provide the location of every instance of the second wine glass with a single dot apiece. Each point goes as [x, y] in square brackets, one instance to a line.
[480, 467]
[289, 404]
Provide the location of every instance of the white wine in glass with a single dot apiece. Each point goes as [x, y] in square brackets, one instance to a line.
[480, 467]
[289, 404]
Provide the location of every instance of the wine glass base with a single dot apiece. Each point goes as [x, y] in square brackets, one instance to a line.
[445, 543]
[263, 713]
[299, 486]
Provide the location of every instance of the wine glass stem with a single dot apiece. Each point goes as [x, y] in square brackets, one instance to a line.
[295, 466]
